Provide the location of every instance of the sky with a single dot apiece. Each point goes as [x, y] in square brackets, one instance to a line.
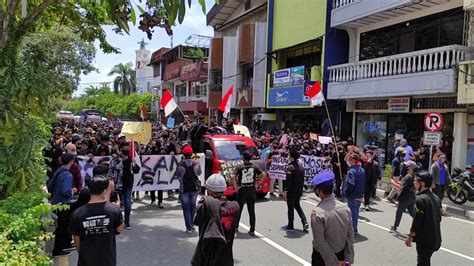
[194, 23]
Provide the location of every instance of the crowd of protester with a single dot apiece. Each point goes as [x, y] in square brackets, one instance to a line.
[349, 173]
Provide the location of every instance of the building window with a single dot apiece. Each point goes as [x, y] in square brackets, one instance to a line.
[148, 88]
[308, 56]
[428, 32]
[199, 89]
[247, 5]
[180, 90]
[156, 71]
[247, 79]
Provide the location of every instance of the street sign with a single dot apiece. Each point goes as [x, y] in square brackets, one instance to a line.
[431, 138]
[433, 122]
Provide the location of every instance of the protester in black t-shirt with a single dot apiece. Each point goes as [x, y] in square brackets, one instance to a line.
[95, 225]
[245, 176]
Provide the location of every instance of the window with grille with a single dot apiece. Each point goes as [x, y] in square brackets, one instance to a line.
[180, 90]
[199, 89]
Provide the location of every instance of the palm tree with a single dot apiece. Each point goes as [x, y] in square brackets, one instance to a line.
[123, 81]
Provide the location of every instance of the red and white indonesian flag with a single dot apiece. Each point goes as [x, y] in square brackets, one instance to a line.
[315, 94]
[225, 104]
[168, 103]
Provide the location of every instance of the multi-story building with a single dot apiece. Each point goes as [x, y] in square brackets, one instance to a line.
[403, 61]
[298, 50]
[144, 77]
[237, 57]
[183, 71]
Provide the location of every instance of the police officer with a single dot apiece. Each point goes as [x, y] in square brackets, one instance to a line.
[293, 190]
[331, 223]
[244, 179]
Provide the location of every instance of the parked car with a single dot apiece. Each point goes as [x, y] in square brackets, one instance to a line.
[225, 153]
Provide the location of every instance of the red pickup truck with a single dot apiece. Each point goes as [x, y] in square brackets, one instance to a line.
[227, 153]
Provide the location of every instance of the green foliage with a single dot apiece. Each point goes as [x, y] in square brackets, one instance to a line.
[106, 101]
[23, 220]
[125, 80]
[195, 53]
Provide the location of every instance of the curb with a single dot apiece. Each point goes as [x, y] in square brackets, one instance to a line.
[453, 210]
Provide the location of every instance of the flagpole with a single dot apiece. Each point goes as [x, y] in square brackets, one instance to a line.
[334, 138]
[182, 113]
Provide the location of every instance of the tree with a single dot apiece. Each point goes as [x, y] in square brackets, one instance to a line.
[107, 101]
[124, 80]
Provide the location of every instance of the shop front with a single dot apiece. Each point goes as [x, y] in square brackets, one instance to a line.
[378, 123]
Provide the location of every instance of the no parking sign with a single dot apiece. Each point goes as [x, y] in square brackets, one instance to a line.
[433, 122]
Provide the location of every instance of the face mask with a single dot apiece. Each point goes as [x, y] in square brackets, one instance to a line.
[317, 192]
[443, 160]
[318, 148]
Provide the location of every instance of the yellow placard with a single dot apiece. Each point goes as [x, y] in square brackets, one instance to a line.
[137, 131]
[239, 129]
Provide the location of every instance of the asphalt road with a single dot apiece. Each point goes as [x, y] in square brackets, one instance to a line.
[158, 237]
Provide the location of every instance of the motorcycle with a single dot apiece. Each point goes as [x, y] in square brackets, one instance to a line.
[462, 187]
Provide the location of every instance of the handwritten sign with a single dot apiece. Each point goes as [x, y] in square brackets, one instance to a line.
[312, 165]
[228, 168]
[277, 168]
[324, 140]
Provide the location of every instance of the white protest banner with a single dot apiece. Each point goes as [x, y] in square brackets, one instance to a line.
[324, 140]
[278, 167]
[312, 165]
[157, 172]
[87, 164]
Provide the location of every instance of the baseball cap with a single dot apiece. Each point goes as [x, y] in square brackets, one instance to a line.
[188, 150]
[411, 164]
[216, 183]
[402, 151]
[324, 178]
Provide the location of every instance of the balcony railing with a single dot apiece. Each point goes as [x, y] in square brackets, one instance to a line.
[439, 58]
[194, 98]
[341, 3]
[173, 70]
[466, 82]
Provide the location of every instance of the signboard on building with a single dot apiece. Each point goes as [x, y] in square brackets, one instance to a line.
[297, 75]
[399, 105]
[431, 138]
[288, 77]
[282, 78]
[293, 96]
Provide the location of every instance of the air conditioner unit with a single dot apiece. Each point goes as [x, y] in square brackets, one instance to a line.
[468, 5]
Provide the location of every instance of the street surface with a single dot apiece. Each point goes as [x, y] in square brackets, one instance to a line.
[158, 237]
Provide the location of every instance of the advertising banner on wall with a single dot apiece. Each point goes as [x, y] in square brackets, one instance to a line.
[293, 96]
[288, 77]
[157, 172]
[288, 88]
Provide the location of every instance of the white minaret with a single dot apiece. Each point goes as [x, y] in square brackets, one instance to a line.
[144, 73]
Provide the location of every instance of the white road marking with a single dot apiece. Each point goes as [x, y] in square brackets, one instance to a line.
[277, 246]
[386, 229]
[459, 219]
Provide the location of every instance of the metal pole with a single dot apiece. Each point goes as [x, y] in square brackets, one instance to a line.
[334, 139]
[431, 157]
